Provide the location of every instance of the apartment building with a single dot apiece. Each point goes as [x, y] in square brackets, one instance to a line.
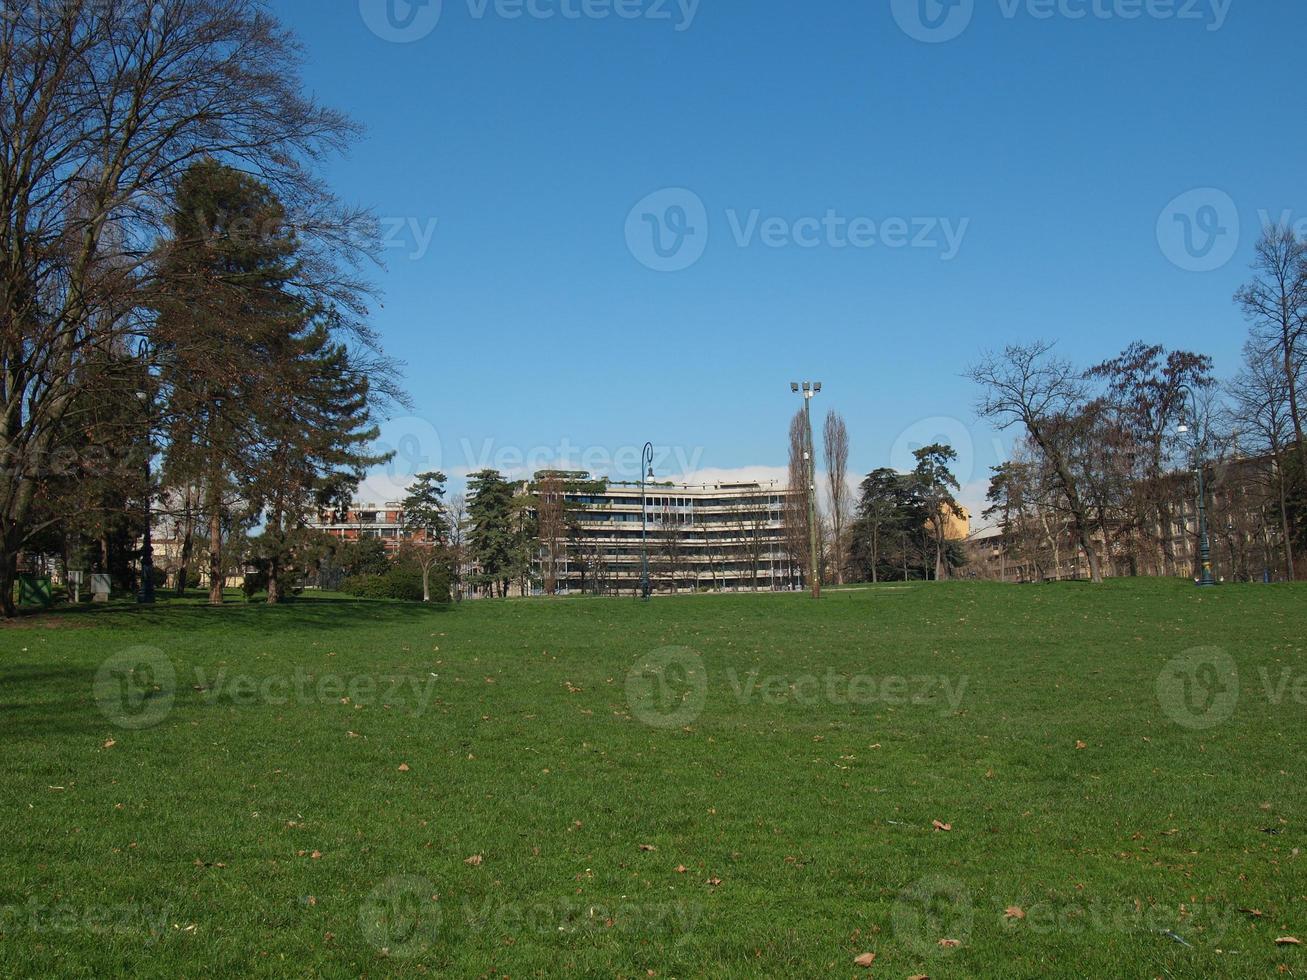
[696, 537]
[365, 520]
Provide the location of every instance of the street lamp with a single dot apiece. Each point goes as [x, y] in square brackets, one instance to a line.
[810, 388]
[1206, 580]
[646, 473]
[146, 595]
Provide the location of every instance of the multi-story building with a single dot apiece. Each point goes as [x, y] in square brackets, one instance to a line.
[365, 520]
[1246, 524]
[717, 536]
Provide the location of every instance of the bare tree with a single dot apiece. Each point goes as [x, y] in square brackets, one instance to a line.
[797, 541]
[551, 527]
[1146, 400]
[1045, 394]
[671, 537]
[458, 525]
[103, 107]
[1262, 416]
[1275, 303]
[837, 471]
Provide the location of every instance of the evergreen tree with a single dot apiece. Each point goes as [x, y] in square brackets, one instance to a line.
[425, 518]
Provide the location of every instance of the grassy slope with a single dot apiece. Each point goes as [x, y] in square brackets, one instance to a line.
[815, 816]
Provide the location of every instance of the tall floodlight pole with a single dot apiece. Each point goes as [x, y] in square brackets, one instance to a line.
[646, 473]
[146, 595]
[809, 389]
[1206, 579]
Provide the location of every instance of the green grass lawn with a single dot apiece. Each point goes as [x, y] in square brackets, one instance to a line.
[722, 785]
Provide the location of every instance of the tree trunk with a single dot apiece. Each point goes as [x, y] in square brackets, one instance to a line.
[8, 576]
[426, 583]
[1291, 383]
[1285, 529]
[188, 545]
[215, 556]
[274, 580]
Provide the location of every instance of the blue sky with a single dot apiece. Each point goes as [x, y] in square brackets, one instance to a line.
[870, 194]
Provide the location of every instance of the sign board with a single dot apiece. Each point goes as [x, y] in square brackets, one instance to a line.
[100, 586]
[34, 590]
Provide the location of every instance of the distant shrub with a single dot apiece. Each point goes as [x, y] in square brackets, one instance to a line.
[440, 584]
[397, 583]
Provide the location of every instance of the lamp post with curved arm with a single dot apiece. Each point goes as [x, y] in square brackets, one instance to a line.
[1206, 579]
[646, 473]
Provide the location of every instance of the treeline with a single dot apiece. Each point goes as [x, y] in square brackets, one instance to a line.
[182, 319]
[898, 526]
[1108, 454]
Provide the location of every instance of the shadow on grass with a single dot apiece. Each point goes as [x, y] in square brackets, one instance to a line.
[193, 611]
[46, 699]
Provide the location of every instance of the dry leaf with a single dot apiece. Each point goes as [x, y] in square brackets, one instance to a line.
[110, 744]
[1288, 941]
[941, 826]
[1081, 745]
[866, 959]
[950, 943]
[681, 869]
[919, 976]
[1014, 912]
[717, 881]
[474, 860]
[648, 847]
[316, 855]
[403, 767]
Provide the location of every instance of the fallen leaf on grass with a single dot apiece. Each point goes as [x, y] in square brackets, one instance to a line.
[941, 826]
[919, 976]
[109, 744]
[1081, 745]
[316, 855]
[474, 860]
[950, 943]
[681, 869]
[648, 847]
[1014, 912]
[1288, 941]
[866, 959]
[717, 881]
[403, 767]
